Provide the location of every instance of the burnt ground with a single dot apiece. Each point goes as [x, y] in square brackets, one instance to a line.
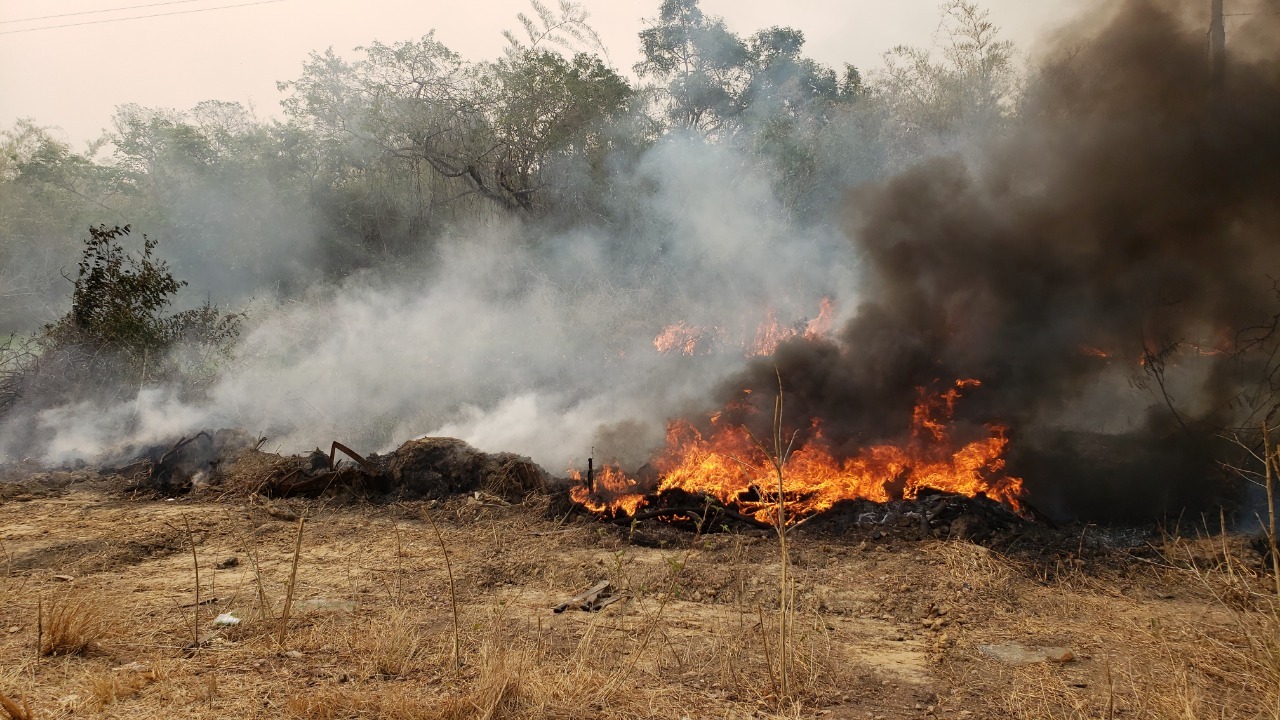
[890, 621]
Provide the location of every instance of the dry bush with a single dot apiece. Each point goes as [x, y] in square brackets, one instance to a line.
[1228, 668]
[73, 625]
[392, 701]
[390, 646]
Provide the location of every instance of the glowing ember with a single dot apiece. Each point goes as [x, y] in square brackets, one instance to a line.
[726, 464]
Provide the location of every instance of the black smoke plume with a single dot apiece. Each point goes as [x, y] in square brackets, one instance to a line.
[1101, 269]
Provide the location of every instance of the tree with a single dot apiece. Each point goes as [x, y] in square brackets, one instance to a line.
[545, 108]
[969, 82]
[702, 66]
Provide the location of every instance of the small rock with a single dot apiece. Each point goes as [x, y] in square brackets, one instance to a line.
[296, 655]
[63, 578]
[1014, 654]
[14, 629]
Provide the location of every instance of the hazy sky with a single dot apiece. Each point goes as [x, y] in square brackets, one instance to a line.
[73, 77]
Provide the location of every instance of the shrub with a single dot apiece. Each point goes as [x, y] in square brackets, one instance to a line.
[118, 333]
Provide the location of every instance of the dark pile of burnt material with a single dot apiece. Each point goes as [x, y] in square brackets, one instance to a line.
[932, 515]
[176, 468]
[230, 463]
[423, 468]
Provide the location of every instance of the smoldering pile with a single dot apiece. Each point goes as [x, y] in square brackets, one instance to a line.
[231, 463]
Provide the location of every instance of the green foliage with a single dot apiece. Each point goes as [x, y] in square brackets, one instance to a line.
[118, 305]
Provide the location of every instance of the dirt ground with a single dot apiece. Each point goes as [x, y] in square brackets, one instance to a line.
[882, 629]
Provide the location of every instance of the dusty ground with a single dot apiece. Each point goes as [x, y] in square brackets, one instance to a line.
[883, 629]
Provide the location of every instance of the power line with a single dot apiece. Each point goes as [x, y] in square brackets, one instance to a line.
[96, 12]
[139, 17]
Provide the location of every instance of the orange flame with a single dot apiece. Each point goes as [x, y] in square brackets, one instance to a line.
[680, 338]
[820, 327]
[727, 464]
[685, 339]
[613, 491]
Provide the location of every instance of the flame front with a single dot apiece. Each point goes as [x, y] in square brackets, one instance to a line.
[727, 464]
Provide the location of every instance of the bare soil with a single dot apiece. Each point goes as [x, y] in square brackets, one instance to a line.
[883, 629]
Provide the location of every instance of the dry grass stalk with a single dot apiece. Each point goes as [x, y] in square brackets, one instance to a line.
[264, 605]
[39, 632]
[777, 458]
[72, 626]
[195, 564]
[676, 567]
[14, 710]
[1271, 461]
[293, 580]
[453, 595]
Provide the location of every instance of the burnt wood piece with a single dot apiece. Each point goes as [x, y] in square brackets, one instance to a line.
[585, 600]
[350, 453]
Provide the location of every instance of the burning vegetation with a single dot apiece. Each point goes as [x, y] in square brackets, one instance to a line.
[728, 463]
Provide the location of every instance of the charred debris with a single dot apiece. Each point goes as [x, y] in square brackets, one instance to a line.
[229, 463]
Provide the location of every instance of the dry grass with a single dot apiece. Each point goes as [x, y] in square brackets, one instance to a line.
[111, 687]
[389, 647]
[73, 623]
[1218, 659]
[15, 710]
[687, 641]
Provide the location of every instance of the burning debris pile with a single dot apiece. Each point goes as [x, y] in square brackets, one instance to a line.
[728, 464]
[1100, 276]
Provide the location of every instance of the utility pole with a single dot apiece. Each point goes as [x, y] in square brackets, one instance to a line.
[1217, 46]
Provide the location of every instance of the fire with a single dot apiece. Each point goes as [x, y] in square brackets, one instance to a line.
[610, 489]
[686, 339]
[820, 327]
[769, 336]
[680, 338]
[727, 464]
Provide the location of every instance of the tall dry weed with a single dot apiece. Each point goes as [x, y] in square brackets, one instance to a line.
[73, 624]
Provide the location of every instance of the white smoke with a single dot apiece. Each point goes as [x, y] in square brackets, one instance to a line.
[514, 341]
